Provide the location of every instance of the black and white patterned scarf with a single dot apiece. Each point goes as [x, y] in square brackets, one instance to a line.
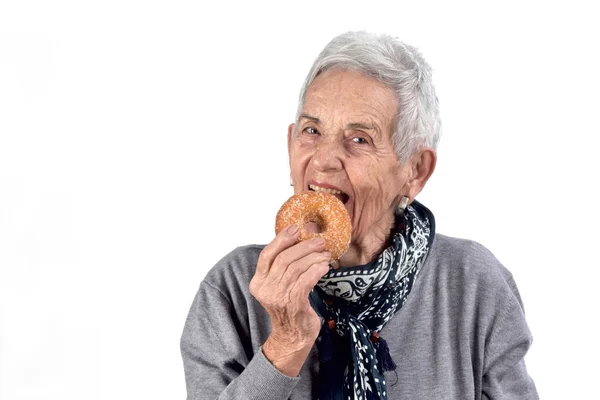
[357, 302]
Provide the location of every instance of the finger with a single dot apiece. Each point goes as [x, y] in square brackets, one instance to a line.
[285, 239]
[293, 254]
[307, 281]
[298, 267]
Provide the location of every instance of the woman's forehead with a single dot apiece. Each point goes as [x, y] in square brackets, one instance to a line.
[356, 98]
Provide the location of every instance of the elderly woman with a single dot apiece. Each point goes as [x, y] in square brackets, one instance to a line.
[406, 313]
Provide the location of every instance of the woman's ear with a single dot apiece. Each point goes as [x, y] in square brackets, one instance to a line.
[421, 167]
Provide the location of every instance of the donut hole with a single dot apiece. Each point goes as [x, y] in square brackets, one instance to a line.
[312, 228]
[314, 224]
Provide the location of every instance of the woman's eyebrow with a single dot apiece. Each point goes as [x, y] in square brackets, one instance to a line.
[359, 125]
[352, 125]
[310, 118]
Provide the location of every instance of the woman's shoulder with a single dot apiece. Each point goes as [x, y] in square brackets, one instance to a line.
[469, 264]
[236, 269]
[466, 253]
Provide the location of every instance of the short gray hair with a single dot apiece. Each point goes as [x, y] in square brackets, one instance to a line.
[400, 67]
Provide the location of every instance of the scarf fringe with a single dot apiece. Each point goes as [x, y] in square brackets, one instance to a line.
[386, 362]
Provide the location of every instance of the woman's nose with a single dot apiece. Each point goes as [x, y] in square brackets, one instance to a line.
[327, 156]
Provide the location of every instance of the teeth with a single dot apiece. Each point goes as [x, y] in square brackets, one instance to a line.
[320, 189]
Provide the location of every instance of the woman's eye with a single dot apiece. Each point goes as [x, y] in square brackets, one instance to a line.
[360, 140]
[311, 131]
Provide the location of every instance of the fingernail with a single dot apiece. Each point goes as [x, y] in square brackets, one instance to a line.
[318, 241]
[326, 254]
[293, 229]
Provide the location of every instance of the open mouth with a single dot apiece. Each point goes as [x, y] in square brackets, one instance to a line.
[337, 193]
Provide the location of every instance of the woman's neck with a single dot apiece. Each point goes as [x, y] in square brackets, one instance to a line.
[365, 249]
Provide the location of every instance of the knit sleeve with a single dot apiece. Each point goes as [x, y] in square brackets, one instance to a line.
[219, 362]
[505, 376]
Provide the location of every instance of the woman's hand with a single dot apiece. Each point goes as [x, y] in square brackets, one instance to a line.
[285, 274]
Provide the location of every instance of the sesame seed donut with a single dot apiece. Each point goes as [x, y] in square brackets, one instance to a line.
[324, 209]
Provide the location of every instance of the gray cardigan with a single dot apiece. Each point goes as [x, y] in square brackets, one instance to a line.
[461, 335]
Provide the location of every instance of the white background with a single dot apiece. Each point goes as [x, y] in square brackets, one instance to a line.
[141, 141]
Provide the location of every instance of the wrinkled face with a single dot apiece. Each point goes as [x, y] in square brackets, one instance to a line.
[342, 144]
